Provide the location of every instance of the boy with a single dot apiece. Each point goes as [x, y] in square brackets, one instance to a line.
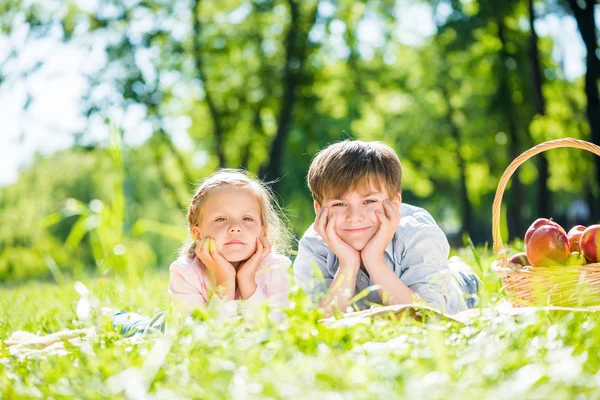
[363, 235]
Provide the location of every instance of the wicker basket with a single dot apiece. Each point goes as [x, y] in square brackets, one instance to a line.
[557, 286]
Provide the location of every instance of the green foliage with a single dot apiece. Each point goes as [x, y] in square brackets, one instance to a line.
[76, 211]
[458, 105]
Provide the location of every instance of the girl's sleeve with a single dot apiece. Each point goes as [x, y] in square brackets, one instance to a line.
[185, 286]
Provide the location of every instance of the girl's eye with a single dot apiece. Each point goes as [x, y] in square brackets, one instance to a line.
[248, 219]
[220, 219]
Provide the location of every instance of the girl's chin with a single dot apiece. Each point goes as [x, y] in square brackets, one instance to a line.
[235, 257]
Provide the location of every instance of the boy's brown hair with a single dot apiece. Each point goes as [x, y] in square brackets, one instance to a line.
[352, 165]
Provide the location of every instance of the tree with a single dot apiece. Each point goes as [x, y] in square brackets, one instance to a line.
[583, 11]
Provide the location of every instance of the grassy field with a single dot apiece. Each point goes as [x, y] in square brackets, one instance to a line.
[542, 355]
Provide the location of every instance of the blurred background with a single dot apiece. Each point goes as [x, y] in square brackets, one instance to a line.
[112, 111]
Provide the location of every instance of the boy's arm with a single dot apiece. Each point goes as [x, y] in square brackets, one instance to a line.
[341, 291]
[424, 267]
[392, 289]
[310, 271]
[310, 266]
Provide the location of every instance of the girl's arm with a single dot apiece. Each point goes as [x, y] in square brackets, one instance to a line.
[273, 284]
[188, 290]
[278, 284]
[185, 286]
[246, 275]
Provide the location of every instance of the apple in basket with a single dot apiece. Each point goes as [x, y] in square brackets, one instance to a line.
[590, 243]
[548, 246]
[574, 237]
[538, 223]
[575, 259]
[519, 260]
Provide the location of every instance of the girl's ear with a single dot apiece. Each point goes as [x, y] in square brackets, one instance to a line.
[263, 231]
[195, 233]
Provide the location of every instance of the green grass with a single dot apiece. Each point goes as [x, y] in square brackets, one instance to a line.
[542, 355]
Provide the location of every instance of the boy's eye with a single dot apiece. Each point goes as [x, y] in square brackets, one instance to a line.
[337, 205]
[370, 201]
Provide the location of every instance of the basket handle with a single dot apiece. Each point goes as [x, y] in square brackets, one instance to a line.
[553, 144]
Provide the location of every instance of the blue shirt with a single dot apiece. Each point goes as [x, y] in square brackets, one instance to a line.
[418, 255]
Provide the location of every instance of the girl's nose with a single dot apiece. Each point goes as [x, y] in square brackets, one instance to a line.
[235, 228]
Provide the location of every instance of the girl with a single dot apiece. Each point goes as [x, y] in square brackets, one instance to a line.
[236, 251]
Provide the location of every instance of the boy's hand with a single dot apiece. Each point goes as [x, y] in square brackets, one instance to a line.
[389, 218]
[248, 268]
[325, 227]
[221, 269]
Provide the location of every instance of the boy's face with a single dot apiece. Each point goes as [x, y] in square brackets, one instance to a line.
[357, 222]
[232, 216]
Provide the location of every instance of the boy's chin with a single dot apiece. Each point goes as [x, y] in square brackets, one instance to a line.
[358, 244]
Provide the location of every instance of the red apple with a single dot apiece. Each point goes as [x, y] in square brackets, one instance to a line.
[547, 246]
[519, 260]
[590, 243]
[539, 223]
[574, 237]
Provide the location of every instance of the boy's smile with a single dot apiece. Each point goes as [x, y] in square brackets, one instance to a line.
[357, 230]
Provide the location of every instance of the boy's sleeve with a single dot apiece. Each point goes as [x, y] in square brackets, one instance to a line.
[310, 267]
[424, 269]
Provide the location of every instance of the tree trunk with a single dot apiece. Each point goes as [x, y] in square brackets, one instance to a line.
[544, 201]
[218, 131]
[587, 28]
[157, 142]
[272, 169]
[465, 204]
[295, 55]
[359, 90]
[514, 208]
[187, 175]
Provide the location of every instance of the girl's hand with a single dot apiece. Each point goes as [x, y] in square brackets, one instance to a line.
[246, 275]
[221, 269]
[325, 227]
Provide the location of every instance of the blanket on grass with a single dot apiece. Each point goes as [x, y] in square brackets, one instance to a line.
[24, 344]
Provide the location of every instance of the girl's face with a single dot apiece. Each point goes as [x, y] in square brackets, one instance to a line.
[232, 216]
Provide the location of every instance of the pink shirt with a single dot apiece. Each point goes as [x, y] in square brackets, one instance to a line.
[189, 284]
